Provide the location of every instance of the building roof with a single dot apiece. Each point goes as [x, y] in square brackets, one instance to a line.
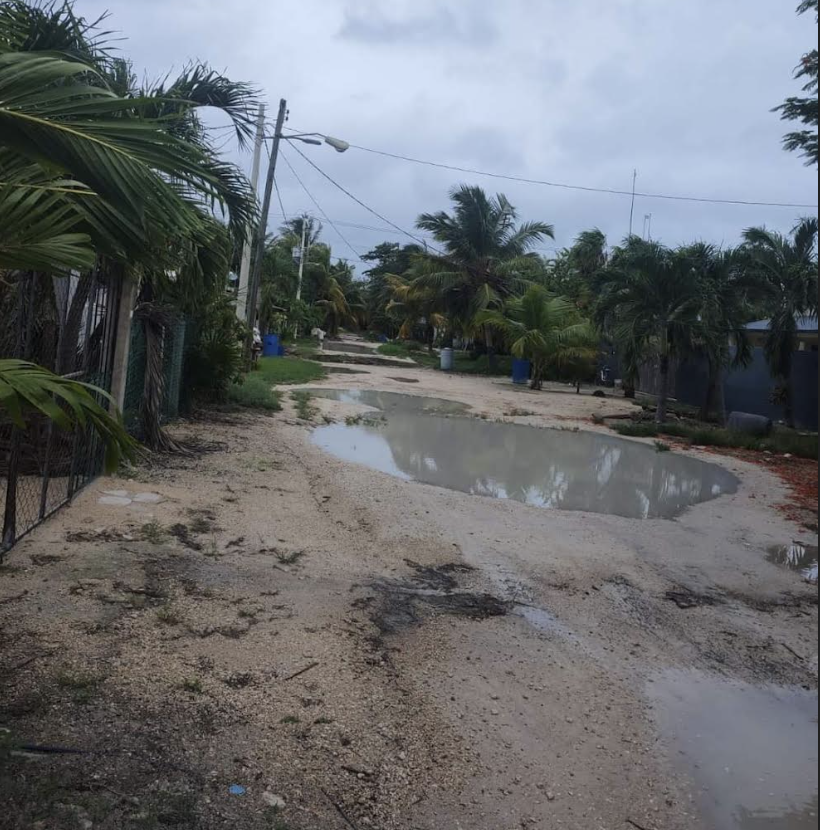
[805, 325]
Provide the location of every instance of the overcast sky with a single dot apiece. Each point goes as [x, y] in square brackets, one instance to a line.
[573, 91]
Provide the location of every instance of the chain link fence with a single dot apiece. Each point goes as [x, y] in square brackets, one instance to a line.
[67, 325]
[173, 361]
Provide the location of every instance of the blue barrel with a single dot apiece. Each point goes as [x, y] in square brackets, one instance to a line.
[270, 345]
[282, 351]
[521, 371]
[448, 360]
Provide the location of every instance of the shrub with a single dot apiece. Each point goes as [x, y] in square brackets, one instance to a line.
[254, 392]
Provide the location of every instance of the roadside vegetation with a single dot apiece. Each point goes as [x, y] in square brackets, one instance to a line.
[781, 442]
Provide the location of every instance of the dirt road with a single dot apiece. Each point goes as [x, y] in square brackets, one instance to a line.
[291, 641]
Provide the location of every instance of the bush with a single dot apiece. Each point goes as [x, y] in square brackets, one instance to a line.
[255, 393]
[781, 442]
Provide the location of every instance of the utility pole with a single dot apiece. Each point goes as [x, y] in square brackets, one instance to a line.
[256, 271]
[247, 252]
[634, 193]
[303, 254]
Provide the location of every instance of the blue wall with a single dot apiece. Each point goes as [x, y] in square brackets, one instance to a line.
[750, 389]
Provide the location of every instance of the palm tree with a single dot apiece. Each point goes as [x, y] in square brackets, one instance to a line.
[784, 269]
[485, 255]
[97, 174]
[651, 297]
[549, 331]
[725, 312]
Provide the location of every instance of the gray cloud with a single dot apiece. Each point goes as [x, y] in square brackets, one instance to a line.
[580, 92]
[378, 26]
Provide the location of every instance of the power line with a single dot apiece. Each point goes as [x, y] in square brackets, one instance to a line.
[281, 203]
[361, 203]
[318, 206]
[582, 188]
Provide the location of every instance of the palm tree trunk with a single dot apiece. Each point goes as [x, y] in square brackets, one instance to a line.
[489, 342]
[537, 382]
[788, 403]
[710, 398]
[663, 392]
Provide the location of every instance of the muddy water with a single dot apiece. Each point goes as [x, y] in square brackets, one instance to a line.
[541, 467]
[751, 752]
[392, 401]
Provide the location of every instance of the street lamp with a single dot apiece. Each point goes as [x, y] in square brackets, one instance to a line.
[315, 139]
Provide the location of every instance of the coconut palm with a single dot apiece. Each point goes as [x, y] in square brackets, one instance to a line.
[784, 269]
[484, 258]
[651, 298]
[548, 331]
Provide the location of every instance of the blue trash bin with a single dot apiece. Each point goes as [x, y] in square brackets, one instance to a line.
[282, 351]
[521, 371]
[270, 345]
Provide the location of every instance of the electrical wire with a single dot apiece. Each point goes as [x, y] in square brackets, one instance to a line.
[362, 204]
[609, 191]
[318, 206]
[279, 196]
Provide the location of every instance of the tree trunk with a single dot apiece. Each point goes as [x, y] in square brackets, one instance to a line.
[709, 396]
[70, 338]
[630, 392]
[788, 403]
[578, 387]
[490, 344]
[537, 382]
[663, 392]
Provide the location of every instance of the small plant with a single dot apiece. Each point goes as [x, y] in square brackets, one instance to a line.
[82, 686]
[660, 446]
[212, 550]
[154, 533]
[291, 720]
[304, 405]
[193, 686]
[168, 616]
[244, 614]
[323, 722]
[293, 558]
[255, 393]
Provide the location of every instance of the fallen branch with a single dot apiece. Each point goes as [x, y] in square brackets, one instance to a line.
[348, 821]
[26, 663]
[636, 825]
[15, 598]
[311, 667]
[799, 656]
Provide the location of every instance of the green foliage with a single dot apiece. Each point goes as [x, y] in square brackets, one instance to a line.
[806, 109]
[780, 442]
[784, 274]
[286, 371]
[486, 257]
[304, 405]
[254, 392]
[550, 332]
[650, 299]
[26, 389]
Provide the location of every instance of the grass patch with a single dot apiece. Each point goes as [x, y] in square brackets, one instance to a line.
[466, 365]
[781, 442]
[304, 405]
[82, 686]
[291, 720]
[402, 348]
[193, 686]
[293, 371]
[255, 392]
[154, 533]
[169, 616]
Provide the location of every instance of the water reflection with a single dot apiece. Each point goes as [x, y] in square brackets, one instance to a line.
[751, 751]
[544, 468]
[391, 401]
[797, 557]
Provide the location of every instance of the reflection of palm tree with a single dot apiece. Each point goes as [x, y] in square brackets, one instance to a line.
[547, 468]
[798, 818]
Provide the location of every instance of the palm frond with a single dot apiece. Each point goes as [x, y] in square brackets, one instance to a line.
[26, 388]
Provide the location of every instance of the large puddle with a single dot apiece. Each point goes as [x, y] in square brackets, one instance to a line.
[540, 467]
[752, 752]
